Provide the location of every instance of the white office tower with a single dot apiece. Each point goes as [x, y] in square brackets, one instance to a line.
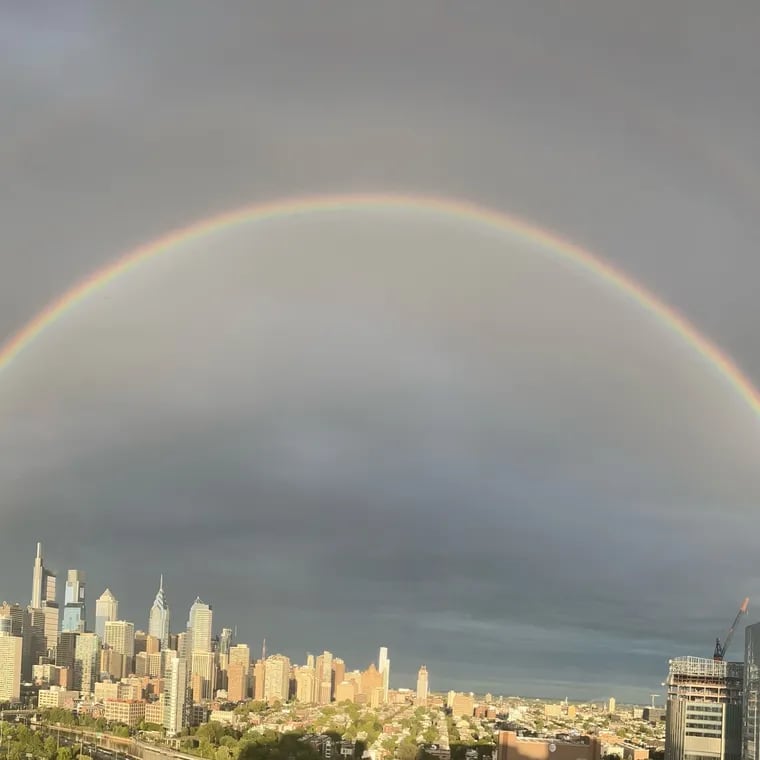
[106, 610]
[10, 667]
[704, 709]
[422, 687]
[384, 668]
[199, 627]
[175, 695]
[158, 621]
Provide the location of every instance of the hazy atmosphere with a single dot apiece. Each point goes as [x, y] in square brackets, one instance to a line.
[377, 427]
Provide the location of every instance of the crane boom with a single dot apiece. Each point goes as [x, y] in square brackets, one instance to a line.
[720, 649]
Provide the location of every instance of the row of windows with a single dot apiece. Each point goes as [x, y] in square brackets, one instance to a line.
[704, 708]
[705, 734]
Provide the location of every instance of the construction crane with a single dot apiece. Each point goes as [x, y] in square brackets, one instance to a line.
[720, 649]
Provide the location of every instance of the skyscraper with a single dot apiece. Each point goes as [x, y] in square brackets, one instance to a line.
[158, 621]
[106, 610]
[74, 610]
[323, 680]
[751, 702]
[119, 635]
[175, 695]
[86, 662]
[422, 686]
[704, 709]
[10, 667]
[277, 678]
[384, 668]
[199, 627]
[43, 598]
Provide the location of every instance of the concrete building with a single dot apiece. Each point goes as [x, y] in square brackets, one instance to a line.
[159, 617]
[277, 678]
[130, 712]
[237, 682]
[510, 746]
[422, 686]
[462, 705]
[323, 684]
[10, 667]
[305, 684]
[55, 696]
[259, 678]
[154, 711]
[345, 691]
[106, 610]
[119, 636]
[203, 676]
[704, 709]
[751, 694]
[175, 696]
[384, 668]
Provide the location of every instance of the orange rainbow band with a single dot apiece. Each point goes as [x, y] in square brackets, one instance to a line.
[547, 241]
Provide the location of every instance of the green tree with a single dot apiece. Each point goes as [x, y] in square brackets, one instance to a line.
[64, 753]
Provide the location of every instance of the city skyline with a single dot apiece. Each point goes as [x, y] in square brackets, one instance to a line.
[490, 426]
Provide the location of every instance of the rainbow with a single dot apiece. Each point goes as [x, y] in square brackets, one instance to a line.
[549, 243]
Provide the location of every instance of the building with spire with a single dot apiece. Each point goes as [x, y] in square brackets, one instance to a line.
[106, 611]
[158, 620]
[43, 598]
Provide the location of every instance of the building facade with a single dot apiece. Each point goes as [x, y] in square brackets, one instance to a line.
[704, 709]
[106, 610]
[159, 617]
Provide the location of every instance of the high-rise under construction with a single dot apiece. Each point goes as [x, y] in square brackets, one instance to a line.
[704, 709]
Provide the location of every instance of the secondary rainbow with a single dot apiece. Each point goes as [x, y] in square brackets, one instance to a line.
[548, 242]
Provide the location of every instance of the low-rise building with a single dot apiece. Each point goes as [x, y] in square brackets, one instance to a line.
[510, 746]
[130, 712]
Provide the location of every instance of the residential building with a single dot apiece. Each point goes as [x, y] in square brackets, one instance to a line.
[277, 678]
[510, 746]
[10, 667]
[175, 696]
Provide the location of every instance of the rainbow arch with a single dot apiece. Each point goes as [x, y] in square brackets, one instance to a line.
[549, 243]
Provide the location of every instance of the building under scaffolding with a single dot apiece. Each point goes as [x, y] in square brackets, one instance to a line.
[704, 709]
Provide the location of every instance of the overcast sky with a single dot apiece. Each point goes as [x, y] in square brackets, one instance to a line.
[378, 428]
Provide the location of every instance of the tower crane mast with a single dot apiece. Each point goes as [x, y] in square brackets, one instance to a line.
[720, 648]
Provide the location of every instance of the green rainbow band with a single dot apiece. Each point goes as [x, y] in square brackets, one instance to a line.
[553, 245]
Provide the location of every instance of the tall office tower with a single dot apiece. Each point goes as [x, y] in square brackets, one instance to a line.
[259, 675]
[33, 636]
[182, 642]
[384, 668]
[310, 660]
[704, 709]
[15, 614]
[305, 684]
[74, 610]
[237, 682]
[175, 695]
[119, 636]
[43, 598]
[241, 653]
[323, 680]
[199, 627]
[64, 653]
[10, 667]
[86, 662]
[751, 701]
[203, 676]
[338, 673]
[158, 620]
[106, 610]
[277, 678]
[225, 644]
[422, 686]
